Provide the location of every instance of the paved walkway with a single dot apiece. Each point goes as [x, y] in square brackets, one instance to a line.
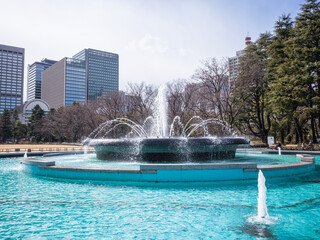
[18, 150]
[39, 147]
[284, 152]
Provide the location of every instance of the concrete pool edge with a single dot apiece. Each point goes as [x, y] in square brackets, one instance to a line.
[193, 172]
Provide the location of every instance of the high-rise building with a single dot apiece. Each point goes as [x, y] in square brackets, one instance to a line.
[234, 61]
[64, 83]
[102, 72]
[11, 76]
[34, 78]
[87, 76]
[233, 65]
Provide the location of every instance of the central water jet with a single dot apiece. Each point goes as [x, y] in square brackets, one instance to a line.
[160, 113]
[161, 145]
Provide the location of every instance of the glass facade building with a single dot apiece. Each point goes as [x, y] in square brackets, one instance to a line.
[75, 80]
[88, 75]
[11, 76]
[34, 78]
[64, 83]
[102, 72]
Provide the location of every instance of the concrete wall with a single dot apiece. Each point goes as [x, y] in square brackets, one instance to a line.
[168, 172]
[53, 84]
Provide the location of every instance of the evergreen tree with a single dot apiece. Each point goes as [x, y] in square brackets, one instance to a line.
[33, 126]
[15, 118]
[278, 86]
[6, 125]
[295, 94]
[305, 48]
[20, 130]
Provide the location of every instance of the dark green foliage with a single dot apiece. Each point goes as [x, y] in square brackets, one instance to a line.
[305, 48]
[34, 123]
[289, 84]
[20, 130]
[15, 118]
[280, 102]
[6, 125]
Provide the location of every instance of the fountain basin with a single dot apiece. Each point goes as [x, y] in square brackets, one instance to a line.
[221, 210]
[174, 172]
[167, 150]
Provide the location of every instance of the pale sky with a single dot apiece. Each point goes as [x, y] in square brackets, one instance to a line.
[157, 40]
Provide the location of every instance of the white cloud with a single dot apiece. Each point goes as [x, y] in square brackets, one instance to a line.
[184, 52]
[150, 44]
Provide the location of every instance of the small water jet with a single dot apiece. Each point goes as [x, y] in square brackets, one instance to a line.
[262, 197]
[259, 225]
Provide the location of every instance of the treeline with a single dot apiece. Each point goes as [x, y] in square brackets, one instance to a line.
[278, 89]
[75, 122]
[277, 92]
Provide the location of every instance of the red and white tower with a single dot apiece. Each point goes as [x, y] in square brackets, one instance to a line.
[248, 40]
[234, 61]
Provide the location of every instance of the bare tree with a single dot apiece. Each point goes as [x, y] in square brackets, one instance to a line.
[112, 106]
[140, 101]
[213, 80]
[71, 123]
[182, 100]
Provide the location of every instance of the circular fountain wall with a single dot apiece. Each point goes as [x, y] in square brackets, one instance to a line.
[169, 150]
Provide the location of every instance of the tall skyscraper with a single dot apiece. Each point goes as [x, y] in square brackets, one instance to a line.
[233, 65]
[11, 76]
[34, 77]
[102, 72]
[234, 61]
[64, 83]
[87, 76]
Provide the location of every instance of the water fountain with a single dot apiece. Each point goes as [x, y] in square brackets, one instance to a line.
[160, 144]
[158, 152]
[220, 210]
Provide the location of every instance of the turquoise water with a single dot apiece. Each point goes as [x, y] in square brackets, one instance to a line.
[42, 208]
[90, 160]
